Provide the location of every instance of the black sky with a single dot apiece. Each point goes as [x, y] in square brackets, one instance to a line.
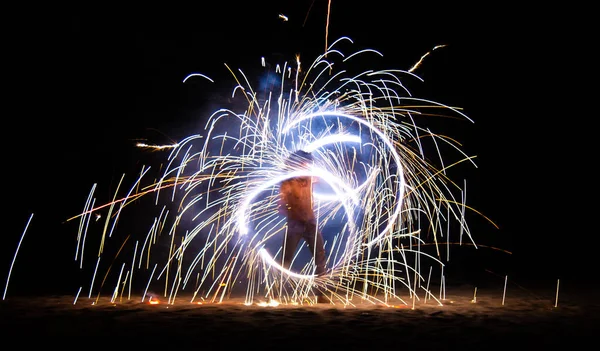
[85, 84]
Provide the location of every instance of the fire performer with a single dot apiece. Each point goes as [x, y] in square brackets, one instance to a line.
[296, 203]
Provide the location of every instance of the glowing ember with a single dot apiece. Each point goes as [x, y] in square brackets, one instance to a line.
[153, 301]
[271, 303]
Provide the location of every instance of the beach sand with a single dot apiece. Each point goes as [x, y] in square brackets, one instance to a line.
[495, 319]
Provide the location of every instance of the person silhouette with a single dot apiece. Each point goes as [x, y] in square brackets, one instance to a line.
[296, 203]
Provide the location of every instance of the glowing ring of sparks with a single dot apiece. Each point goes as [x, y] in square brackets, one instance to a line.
[223, 193]
[331, 180]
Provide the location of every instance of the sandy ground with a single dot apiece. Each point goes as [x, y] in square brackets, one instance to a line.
[526, 319]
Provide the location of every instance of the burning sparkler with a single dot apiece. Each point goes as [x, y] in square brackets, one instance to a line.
[216, 197]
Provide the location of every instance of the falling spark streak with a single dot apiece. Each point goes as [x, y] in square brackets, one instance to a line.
[418, 64]
[83, 219]
[283, 17]
[149, 281]
[15, 256]
[375, 191]
[556, 299]
[197, 75]
[157, 147]
[94, 277]
[85, 235]
[504, 292]
[77, 295]
[327, 25]
[116, 291]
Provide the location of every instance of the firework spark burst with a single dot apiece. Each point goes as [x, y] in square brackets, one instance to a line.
[217, 228]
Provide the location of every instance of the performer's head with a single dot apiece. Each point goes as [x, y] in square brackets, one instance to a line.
[299, 159]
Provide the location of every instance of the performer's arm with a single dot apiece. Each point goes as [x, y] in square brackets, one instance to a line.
[284, 190]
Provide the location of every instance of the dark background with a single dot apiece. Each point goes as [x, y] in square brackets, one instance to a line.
[82, 86]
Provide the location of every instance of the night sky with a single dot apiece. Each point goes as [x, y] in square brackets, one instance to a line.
[84, 85]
